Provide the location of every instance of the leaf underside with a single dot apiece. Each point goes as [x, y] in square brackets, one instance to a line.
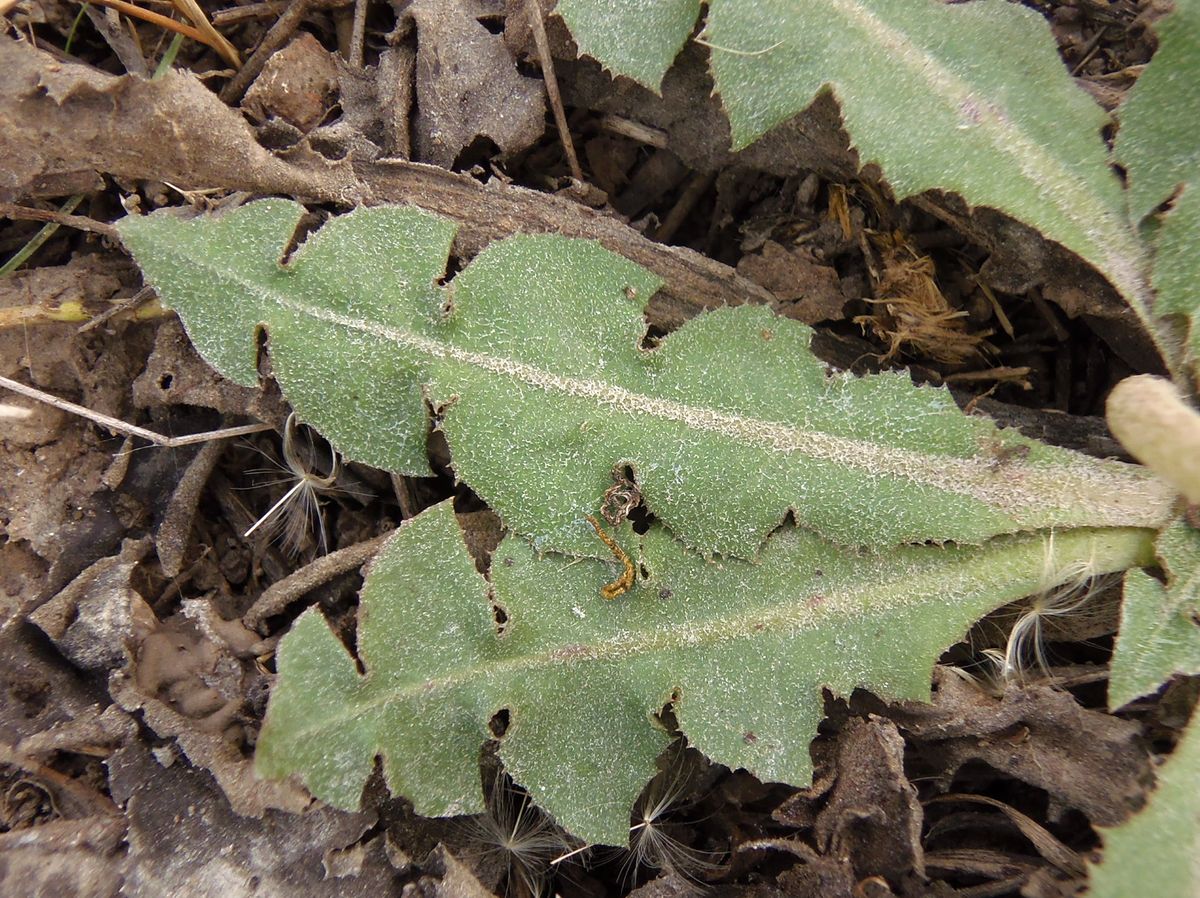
[652, 33]
[969, 98]
[531, 359]
[742, 650]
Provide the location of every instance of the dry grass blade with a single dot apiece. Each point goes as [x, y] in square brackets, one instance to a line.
[1046, 844]
[154, 18]
[212, 37]
[201, 29]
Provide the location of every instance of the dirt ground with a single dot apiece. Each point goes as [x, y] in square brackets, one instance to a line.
[139, 619]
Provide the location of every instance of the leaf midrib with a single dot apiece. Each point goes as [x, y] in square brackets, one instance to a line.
[1059, 185]
[1020, 486]
[914, 588]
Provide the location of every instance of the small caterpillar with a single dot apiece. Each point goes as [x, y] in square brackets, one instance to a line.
[621, 585]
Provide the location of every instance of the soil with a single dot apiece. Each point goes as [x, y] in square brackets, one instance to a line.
[139, 619]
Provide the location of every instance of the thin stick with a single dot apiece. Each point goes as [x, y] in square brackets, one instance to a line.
[285, 26]
[1089, 49]
[236, 14]
[359, 33]
[213, 38]
[692, 191]
[119, 426]
[152, 309]
[654, 137]
[560, 117]
[47, 231]
[79, 222]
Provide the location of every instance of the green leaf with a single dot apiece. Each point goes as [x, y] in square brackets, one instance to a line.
[966, 97]
[742, 651]
[652, 32]
[1160, 636]
[531, 359]
[1155, 852]
[1159, 145]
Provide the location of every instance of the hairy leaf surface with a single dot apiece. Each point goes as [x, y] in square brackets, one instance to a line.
[1159, 144]
[1160, 637]
[652, 32]
[742, 651]
[1155, 852]
[968, 97]
[531, 360]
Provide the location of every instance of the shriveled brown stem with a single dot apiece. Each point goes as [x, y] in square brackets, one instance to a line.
[279, 595]
[175, 130]
[79, 222]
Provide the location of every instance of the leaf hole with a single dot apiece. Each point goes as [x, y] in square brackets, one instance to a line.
[642, 520]
[453, 266]
[499, 618]
[498, 725]
[651, 339]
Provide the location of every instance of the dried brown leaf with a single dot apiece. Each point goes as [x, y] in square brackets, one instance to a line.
[184, 839]
[468, 84]
[873, 815]
[1084, 759]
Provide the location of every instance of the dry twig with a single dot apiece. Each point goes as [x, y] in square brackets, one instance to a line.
[284, 27]
[534, 8]
[118, 426]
